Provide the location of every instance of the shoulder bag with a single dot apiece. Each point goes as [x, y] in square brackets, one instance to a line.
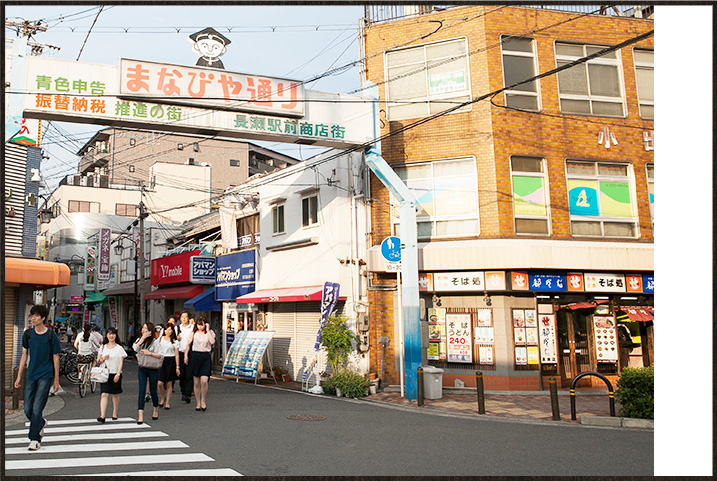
[149, 362]
[100, 373]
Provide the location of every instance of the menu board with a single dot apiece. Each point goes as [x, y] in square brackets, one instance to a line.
[246, 352]
[436, 334]
[605, 339]
[525, 337]
[485, 336]
[458, 333]
[548, 339]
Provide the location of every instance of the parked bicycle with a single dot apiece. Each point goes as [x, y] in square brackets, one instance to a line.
[83, 370]
[68, 364]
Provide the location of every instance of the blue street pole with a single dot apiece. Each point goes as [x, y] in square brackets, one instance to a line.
[409, 252]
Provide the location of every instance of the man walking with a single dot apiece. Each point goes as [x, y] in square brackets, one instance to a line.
[185, 382]
[43, 371]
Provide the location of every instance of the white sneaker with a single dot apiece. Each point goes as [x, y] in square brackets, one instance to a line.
[34, 446]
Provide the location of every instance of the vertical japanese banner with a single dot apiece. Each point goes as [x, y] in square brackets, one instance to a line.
[103, 273]
[458, 331]
[86, 314]
[329, 298]
[436, 333]
[548, 347]
[112, 302]
[98, 314]
[90, 268]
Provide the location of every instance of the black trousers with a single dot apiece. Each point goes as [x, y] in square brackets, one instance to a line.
[186, 382]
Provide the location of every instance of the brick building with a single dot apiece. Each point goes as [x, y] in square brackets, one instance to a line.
[535, 215]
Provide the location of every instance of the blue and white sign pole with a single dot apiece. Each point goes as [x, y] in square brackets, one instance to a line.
[409, 254]
[391, 251]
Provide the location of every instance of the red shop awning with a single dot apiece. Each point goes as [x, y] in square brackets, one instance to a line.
[584, 305]
[183, 292]
[640, 314]
[287, 294]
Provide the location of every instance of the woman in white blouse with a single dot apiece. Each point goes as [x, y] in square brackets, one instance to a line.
[169, 372]
[112, 354]
[200, 343]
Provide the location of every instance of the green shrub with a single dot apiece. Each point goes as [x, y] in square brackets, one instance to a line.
[350, 383]
[636, 393]
[337, 338]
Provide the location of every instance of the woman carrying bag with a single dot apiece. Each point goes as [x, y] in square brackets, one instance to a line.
[149, 359]
[112, 354]
[201, 341]
[170, 365]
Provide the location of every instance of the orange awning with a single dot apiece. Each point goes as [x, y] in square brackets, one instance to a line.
[41, 274]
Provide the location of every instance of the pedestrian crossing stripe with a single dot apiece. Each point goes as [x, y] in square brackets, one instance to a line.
[89, 436]
[60, 422]
[69, 429]
[186, 472]
[104, 461]
[94, 447]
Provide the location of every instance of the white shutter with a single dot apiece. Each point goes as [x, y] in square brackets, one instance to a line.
[282, 322]
[307, 326]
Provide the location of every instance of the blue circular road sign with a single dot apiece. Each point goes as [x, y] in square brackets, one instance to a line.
[391, 249]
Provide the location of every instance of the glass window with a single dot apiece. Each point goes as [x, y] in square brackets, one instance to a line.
[277, 218]
[309, 211]
[519, 63]
[645, 79]
[530, 196]
[234, 163]
[127, 210]
[447, 194]
[427, 79]
[651, 189]
[601, 199]
[592, 88]
[78, 206]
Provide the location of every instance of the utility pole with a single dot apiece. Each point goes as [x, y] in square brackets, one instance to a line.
[142, 215]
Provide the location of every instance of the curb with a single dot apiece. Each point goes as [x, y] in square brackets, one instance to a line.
[54, 404]
[616, 422]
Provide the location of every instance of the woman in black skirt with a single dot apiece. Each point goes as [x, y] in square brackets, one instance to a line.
[112, 354]
[169, 372]
[201, 341]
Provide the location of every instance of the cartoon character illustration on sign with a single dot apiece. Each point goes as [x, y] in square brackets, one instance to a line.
[209, 45]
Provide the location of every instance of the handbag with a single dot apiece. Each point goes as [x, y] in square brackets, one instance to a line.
[149, 362]
[100, 373]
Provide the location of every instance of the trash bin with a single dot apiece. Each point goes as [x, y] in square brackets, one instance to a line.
[432, 382]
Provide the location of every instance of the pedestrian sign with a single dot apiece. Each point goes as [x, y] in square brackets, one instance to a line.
[391, 249]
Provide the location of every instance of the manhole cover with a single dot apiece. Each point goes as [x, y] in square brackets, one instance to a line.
[305, 417]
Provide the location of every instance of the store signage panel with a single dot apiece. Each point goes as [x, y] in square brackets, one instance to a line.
[103, 273]
[575, 282]
[425, 282]
[604, 283]
[179, 84]
[246, 353]
[648, 283]
[548, 339]
[519, 281]
[606, 345]
[172, 269]
[203, 270]
[495, 280]
[90, 268]
[71, 91]
[459, 281]
[633, 283]
[235, 275]
[547, 282]
[458, 332]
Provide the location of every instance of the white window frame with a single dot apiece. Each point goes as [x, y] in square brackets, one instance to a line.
[515, 53]
[645, 66]
[429, 100]
[543, 175]
[590, 98]
[433, 220]
[630, 178]
[650, 182]
[278, 212]
[316, 217]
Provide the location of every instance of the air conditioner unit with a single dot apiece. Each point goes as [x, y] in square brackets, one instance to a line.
[83, 180]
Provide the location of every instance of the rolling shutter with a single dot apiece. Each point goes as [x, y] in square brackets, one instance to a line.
[11, 342]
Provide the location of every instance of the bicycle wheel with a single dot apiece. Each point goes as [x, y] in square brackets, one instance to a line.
[93, 386]
[71, 368]
[83, 381]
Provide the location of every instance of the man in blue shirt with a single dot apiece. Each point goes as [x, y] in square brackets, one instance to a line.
[43, 371]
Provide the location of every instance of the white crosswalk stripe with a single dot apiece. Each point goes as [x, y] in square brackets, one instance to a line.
[86, 444]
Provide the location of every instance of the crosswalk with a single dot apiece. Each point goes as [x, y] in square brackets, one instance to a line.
[83, 447]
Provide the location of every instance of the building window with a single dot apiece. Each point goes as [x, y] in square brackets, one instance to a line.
[530, 194]
[519, 64]
[234, 163]
[126, 210]
[277, 219]
[593, 87]
[309, 211]
[427, 79]
[447, 194]
[601, 199]
[78, 206]
[645, 79]
[651, 189]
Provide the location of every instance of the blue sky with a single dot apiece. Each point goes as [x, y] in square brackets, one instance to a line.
[298, 42]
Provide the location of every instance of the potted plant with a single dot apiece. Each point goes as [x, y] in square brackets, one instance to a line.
[281, 373]
[350, 383]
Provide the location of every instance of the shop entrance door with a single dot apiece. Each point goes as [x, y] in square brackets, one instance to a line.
[573, 345]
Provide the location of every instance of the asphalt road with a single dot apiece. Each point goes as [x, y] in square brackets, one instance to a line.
[249, 429]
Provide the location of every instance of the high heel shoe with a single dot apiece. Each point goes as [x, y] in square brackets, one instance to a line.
[100, 420]
[204, 408]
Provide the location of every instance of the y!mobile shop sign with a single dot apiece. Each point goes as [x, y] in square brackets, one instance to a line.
[150, 95]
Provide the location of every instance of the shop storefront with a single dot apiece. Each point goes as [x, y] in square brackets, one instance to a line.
[521, 327]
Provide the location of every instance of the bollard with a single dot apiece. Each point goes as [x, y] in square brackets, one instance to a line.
[480, 392]
[572, 405]
[554, 404]
[611, 395]
[420, 386]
